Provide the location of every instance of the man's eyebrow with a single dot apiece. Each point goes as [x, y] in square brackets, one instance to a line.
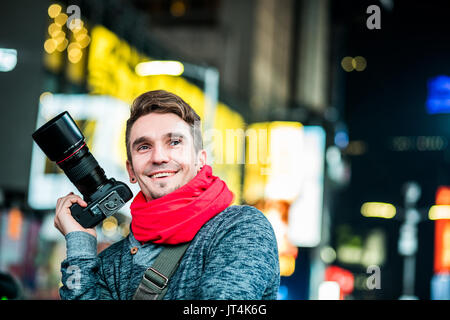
[174, 134]
[167, 135]
[139, 141]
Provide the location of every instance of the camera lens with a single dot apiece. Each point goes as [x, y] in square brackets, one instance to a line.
[62, 142]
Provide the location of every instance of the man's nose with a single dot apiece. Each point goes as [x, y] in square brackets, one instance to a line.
[159, 154]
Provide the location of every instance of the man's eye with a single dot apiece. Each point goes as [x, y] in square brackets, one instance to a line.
[175, 142]
[144, 147]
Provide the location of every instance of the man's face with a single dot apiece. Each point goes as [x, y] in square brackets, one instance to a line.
[162, 154]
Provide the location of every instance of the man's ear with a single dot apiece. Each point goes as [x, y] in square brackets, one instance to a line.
[131, 172]
[201, 159]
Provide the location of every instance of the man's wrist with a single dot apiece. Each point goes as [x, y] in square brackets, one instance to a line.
[80, 244]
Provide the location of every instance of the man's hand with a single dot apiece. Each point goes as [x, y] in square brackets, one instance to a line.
[64, 221]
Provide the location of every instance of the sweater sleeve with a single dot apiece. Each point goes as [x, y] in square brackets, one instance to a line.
[242, 263]
[81, 270]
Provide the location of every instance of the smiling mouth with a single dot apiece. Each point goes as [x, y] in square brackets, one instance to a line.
[161, 175]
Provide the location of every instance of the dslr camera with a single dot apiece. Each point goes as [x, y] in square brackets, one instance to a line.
[62, 142]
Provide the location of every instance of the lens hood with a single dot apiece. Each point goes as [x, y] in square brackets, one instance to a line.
[59, 137]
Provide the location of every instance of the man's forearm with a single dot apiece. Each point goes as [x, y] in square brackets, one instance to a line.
[80, 270]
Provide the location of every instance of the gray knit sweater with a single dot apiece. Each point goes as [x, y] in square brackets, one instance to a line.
[234, 256]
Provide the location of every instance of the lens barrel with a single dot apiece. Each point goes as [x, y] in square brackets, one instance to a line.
[62, 142]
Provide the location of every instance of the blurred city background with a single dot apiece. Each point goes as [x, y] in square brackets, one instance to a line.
[331, 117]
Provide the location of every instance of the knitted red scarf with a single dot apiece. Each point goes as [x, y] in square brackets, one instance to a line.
[177, 217]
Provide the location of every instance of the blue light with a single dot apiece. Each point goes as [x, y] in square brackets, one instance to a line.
[438, 100]
[341, 139]
[282, 293]
[440, 287]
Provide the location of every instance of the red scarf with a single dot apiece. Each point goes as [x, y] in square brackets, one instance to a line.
[177, 216]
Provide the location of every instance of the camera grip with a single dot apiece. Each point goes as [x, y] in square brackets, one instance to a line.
[82, 217]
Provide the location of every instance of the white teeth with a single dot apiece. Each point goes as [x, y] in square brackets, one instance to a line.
[162, 174]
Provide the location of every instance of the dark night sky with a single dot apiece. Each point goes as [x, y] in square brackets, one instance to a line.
[387, 100]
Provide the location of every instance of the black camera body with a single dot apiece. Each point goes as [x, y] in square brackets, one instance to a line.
[105, 202]
[62, 142]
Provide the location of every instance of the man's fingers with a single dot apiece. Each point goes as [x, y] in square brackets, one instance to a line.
[75, 199]
[66, 202]
[64, 222]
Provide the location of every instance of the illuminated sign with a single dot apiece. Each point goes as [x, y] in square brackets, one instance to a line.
[285, 162]
[305, 213]
[442, 233]
[273, 179]
[102, 120]
[111, 71]
[442, 246]
[438, 100]
[227, 148]
[274, 161]
[284, 168]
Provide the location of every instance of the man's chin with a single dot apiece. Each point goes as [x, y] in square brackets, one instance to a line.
[156, 194]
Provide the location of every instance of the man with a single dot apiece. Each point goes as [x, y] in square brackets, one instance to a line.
[232, 252]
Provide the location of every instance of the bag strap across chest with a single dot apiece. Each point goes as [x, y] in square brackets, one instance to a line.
[153, 285]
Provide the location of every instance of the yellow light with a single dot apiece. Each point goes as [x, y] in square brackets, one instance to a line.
[53, 29]
[378, 210]
[54, 10]
[151, 68]
[110, 223]
[178, 8]
[359, 63]
[75, 25]
[287, 265]
[83, 40]
[74, 52]
[75, 55]
[59, 36]
[124, 229]
[109, 226]
[79, 33]
[45, 95]
[74, 46]
[347, 64]
[439, 212]
[61, 19]
[63, 45]
[50, 45]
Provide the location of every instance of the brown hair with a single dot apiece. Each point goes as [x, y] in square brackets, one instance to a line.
[161, 101]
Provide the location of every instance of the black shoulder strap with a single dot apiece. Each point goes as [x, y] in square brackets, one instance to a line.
[153, 285]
